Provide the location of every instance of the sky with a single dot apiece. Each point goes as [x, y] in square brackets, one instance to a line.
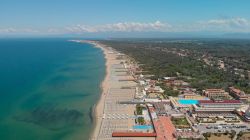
[123, 17]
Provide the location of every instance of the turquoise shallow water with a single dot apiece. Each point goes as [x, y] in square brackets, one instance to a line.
[47, 88]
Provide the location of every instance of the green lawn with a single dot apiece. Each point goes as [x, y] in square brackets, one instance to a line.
[180, 122]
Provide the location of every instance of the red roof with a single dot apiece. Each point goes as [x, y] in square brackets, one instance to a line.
[164, 128]
[133, 134]
[219, 102]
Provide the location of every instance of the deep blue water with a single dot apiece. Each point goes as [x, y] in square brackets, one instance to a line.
[47, 88]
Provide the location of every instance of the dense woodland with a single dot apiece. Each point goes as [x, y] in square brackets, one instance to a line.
[161, 58]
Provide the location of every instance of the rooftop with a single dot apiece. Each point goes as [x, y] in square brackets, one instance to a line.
[219, 102]
[133, 134]
[214, 90]
[237, 91]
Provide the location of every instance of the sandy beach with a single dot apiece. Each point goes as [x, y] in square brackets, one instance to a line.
[99, 108]
[112, 114]
[105, 86]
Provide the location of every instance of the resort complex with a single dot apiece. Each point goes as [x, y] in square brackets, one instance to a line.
[134, 106]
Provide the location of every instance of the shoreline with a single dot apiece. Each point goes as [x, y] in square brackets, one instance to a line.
[98, 108]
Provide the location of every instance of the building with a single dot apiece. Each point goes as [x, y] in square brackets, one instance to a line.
[192, 95]
[169, 78]
[238, 94]
[153, 89]
[188, 135]
[247, 115]
[217, 106]
[150, 82]
[139, 93]
[244, 113]
[216, 94]
[160, 108]
[176, 83]
[213, 117]
[187, 89]
[168, 81]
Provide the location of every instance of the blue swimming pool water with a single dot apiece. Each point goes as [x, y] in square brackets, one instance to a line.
[188, 102]
[146, 127]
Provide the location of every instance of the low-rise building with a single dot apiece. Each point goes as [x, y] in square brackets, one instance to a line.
[187, 89]
[247, 114]
[150, 82]
[238, 94]
[188, 135]
[192, 95]
[160, 108]
[139, 93]
[217, 106]
[153, 89]
[176, 83]
[216, 94]
[169, 78]
[213, 117]
[244, 113]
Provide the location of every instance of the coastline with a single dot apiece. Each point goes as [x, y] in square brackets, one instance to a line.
[117, 86]
[98, 108]
[111, 117]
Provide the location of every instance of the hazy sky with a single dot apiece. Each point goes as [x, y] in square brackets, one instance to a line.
[119, 16]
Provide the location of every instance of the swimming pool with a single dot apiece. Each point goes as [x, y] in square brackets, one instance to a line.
[188, 102]
[145, 127]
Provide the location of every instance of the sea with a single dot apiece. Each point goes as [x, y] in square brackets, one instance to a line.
[48, 87]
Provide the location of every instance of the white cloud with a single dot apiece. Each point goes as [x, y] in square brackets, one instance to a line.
[234, 22]
[17, 30]
[121, 27]
[237, 24]
[7, 30]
